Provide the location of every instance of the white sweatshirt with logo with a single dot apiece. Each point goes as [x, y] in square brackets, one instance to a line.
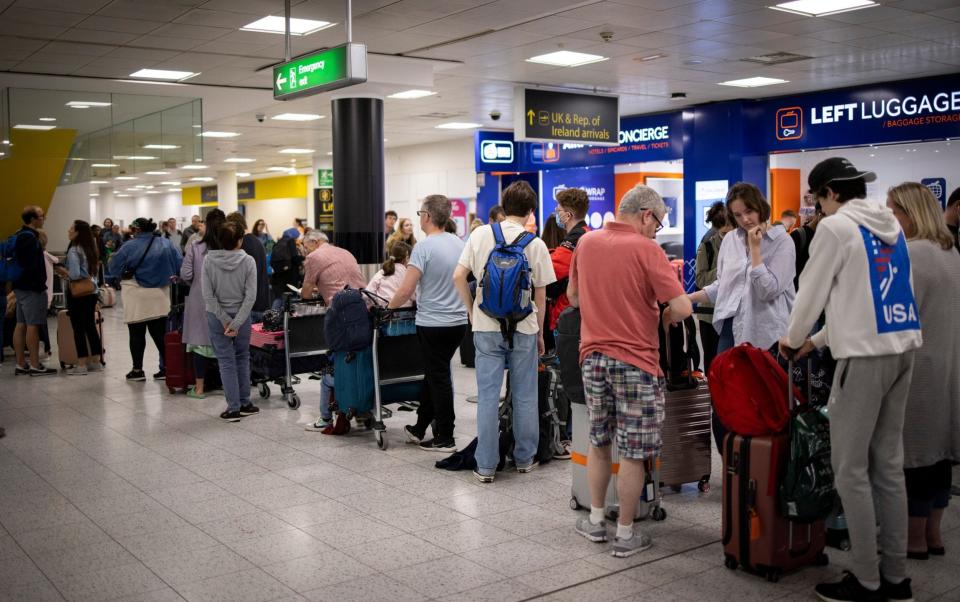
[859, 271]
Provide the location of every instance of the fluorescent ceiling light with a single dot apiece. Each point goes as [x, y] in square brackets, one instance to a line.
[238, 160]
[123, 195]
[821, 8]
[297, 117]
[125, 178]
[298, 27]
[157, 173]
[287, 169]
[243, 174]
[98, 182]
[86, 104]
[194, 166]
[457, 125]
[220, 134]
[202, 179]
[164, 74]
[103, 165]
[28, 126]
[170, 183]
[297, 151]
[566, 58]
[329, 153]
[161, 146]
[153, 192]
[46, 119]
[135, 157]
[174, 189]
[94, 195]
[410, 94]
[754, 82]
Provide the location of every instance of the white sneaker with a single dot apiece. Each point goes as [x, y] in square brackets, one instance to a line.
[77, 371]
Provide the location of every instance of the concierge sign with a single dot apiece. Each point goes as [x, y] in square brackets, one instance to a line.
[545, 115]
[913, 110]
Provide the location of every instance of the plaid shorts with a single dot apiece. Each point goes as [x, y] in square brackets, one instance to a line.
[624, 398]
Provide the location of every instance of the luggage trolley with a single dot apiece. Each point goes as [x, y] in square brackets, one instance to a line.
[304, 348]
[397, 360]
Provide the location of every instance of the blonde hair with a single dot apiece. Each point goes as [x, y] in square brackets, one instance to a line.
[399, 236]
[924, 211]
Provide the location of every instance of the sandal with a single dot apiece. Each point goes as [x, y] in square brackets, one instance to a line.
[192, 393]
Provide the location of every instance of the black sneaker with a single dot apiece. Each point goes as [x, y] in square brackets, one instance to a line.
[136, 375]
[18, 371]
[434, 445]
[43, 371]
[231, 416]
[901, 592]
[848, 589]
[412, 435]
[161, 375]
[249, 410]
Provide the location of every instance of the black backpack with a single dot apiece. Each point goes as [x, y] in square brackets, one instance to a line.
[348, 325]
[807, 492]
[282, 259]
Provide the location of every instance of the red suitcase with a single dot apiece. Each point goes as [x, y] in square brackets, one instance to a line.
[755, 535]
[177, 362]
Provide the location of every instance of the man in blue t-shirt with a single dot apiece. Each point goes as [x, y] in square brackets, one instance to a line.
[441, 321]
[31, 293]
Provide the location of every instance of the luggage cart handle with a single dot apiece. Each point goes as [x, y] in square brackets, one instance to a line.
[791, 397]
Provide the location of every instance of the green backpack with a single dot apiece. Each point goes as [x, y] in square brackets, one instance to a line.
[807, 492]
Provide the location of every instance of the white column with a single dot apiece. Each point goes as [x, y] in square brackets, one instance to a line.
[106, 206]
[313, 182]
[227, 191]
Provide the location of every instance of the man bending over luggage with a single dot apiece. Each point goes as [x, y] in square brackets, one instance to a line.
[619, 354]
[859, 271]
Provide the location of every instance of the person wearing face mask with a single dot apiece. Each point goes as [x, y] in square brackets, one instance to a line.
[572, 207]
[753, 293]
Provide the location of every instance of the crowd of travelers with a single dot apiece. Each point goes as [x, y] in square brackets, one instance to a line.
[871, 288]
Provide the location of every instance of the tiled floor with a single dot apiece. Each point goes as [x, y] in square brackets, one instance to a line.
[119, 491]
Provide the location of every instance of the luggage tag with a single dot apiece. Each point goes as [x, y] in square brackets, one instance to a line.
[649, 491]
[754, 525]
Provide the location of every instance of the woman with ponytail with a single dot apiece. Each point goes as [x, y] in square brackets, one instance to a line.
[386, 282]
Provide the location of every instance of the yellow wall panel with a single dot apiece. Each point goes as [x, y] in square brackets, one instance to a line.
[31, 172]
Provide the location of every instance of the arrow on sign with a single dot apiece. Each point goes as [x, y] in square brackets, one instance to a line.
[280, 81]
[530, 115]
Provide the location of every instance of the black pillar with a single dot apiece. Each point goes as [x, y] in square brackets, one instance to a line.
[358, 181]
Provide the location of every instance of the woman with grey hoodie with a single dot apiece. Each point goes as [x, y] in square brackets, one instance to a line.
[229, 285]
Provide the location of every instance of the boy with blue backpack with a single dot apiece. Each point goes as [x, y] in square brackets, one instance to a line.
[513, 268]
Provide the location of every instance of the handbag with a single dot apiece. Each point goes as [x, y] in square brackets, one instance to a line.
[82, 288]
[128, 274]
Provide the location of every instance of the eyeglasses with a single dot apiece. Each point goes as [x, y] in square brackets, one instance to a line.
[657, 219]
[422, 213]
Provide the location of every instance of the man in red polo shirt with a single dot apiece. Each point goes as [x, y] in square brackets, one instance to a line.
[618, 276]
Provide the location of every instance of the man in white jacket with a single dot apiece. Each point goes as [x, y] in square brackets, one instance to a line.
[859, 272]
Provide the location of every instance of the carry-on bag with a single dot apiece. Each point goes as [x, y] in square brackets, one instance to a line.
[177, 363]
[66, 347]
[756, 536]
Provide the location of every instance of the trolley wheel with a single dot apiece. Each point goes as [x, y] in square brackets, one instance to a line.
[845, 545]
[368, 423]
[381, 440]
[730, 562]
[293, 401]
[659, 513]
[264, 390]
[773, 576]
[171, 390]
[704, 485]
[823, 559]
[574, 504]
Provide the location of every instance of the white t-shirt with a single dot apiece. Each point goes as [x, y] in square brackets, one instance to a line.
[478, 248]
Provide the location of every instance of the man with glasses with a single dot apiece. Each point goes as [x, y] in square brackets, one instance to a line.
[31, 293]
[620, 355]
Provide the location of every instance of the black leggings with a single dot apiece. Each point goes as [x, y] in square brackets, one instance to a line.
[83, 319]
[138, 339]
[200, 366]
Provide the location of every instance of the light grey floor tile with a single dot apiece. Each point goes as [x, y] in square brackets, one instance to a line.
[667, 570]
[246, 526]
[158, 481]
[149, 521]
[560, 576]
[36, 591]
[117, 505]
[501, 591]
[196, 565]
[282, 497]
[349, 532]
[246, 586]
[395, 552]
[160, 595]
[109, 583]
[61, 537]
[167, 543]
[444, 576]
[374, 587]
[516, 557]
[419, 516]
[324, 511]
[19, 572]
[526, 521]
[45, 516]
[222, 507]
[613, 587]
[482, 503]
[465, 535]
[319, 571]
[279, 547]
[76, 562]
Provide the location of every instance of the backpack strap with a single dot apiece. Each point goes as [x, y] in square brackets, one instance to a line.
[498, 234]
[524, 239]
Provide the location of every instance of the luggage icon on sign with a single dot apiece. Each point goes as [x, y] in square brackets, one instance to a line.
[790, 123]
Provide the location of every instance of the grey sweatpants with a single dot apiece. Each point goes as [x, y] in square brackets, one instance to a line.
[866, 408]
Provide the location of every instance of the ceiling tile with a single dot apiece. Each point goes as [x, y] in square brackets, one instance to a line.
[211, 18]
[97, 37]
[41, 17]
[142, 54]
[752, 36]
[704, 29]
[553, 25]
[871, 15]
[15, 28]
[196, 32]
[79, 48]
[166, 43]
[153, 10]
[915, 22]
[252, 7]
[99, 23]
[74, 6]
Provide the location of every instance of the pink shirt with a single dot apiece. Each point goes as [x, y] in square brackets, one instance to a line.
[620, 276]
[387, 286]
[331, 269]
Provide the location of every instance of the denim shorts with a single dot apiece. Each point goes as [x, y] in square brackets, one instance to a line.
[31, 307]
[625, 399]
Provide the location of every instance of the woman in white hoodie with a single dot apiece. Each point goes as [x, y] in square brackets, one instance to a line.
[931, 431]
[859, 272]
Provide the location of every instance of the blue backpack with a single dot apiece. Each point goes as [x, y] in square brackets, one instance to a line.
[506, 283]
[10, 268]
[348, 325]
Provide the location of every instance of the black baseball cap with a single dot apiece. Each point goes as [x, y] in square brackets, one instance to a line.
[834, 169]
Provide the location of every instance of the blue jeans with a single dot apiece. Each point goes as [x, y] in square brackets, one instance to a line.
[493, 353]
[233, 353]
[326, 387]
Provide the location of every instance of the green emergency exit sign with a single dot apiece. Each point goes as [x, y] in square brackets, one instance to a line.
[321, 71]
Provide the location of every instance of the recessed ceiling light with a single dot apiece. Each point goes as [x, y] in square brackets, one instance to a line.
[277, 168]
[125, 178]
[238, 160]
[157, 173]
[121, 194]
[457, 125]
[98, 182]
[161, 146]
[194, 166]
[566, 58]
[170, 183]
[46, 119]
[174, 189]
[202, 179]
[29, 126]
[821, 8]
[153, 192]
[135, 157]
[243, 174]
[94, 195]
[164, 74]
[754, 82]
[410, 94]
[297, 117]
[329, 153]
[103, 165]
[298, 27]
[86, 104]
[297, 151]
[220, 134]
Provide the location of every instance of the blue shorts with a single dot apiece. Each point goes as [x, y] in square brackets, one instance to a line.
[31, 307]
